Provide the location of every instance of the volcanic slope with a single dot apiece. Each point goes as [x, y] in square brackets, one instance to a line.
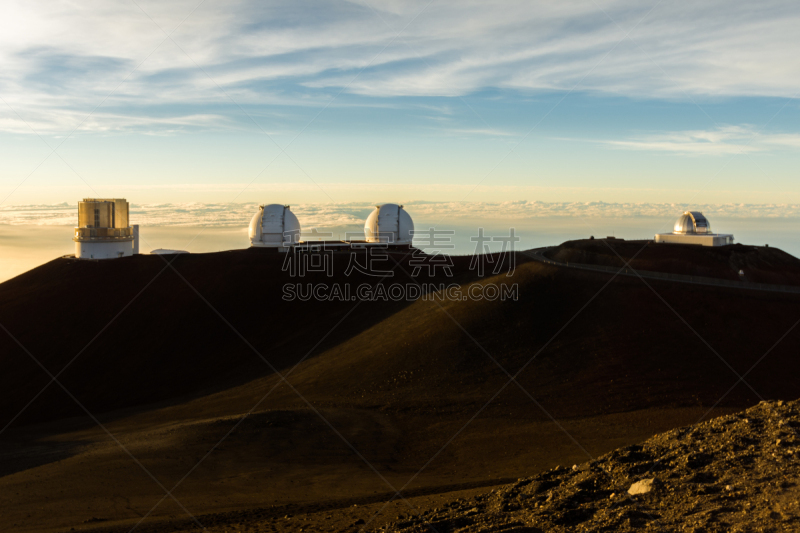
[739, 472]
[399, 395]
[213, 321]
[758, 264]
[144, 329]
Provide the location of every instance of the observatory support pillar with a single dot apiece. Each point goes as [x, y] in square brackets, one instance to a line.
[135, 239]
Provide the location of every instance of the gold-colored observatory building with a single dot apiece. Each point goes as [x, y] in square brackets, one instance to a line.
[104, 231]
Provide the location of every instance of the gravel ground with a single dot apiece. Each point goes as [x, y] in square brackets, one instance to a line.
[734, 473]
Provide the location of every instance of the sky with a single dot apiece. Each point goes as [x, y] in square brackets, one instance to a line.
[445, 102]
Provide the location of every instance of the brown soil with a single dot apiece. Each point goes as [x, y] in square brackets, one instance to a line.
[284, 463]
[734, 473]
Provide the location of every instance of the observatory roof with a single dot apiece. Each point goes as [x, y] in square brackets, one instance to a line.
[389, 223]
[165, 251]
[274, 226]
[692, 222]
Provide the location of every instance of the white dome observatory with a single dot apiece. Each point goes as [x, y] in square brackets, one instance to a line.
[389, 223]
[692, 222]
[274, 226]
[693, 228]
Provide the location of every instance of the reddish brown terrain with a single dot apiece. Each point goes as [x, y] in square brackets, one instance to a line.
[192, 394]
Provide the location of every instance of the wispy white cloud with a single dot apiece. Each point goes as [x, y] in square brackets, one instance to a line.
[724, 140]
[60, 59]
[790, 140]
[68, 120]
[488, 132]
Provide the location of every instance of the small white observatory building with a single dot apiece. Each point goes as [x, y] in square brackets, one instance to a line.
[389, 224]
[103, 230]
[693, 228]
[274, 226]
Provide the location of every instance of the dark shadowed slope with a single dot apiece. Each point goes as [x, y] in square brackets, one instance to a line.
[140, 330]
[759, 264]
[415, 388]
[635, 345]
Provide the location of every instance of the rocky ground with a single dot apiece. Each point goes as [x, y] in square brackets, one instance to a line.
[734, 473]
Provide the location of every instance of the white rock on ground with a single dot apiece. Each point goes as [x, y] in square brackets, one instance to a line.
[642, 487]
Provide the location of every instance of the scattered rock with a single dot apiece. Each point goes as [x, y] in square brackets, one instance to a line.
[719, 475]
[642, 487]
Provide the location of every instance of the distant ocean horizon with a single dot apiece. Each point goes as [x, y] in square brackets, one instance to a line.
[33, 235]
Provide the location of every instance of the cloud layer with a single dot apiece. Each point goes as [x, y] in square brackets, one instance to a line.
[353, 214]
[60, 60]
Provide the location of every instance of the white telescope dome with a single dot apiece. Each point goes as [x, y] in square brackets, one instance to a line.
[389, 223]
[692, 222]
[274, 226]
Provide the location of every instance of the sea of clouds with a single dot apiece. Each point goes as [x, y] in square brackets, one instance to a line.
[347, 214]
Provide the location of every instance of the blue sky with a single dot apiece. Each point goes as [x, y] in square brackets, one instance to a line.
[443, 101]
